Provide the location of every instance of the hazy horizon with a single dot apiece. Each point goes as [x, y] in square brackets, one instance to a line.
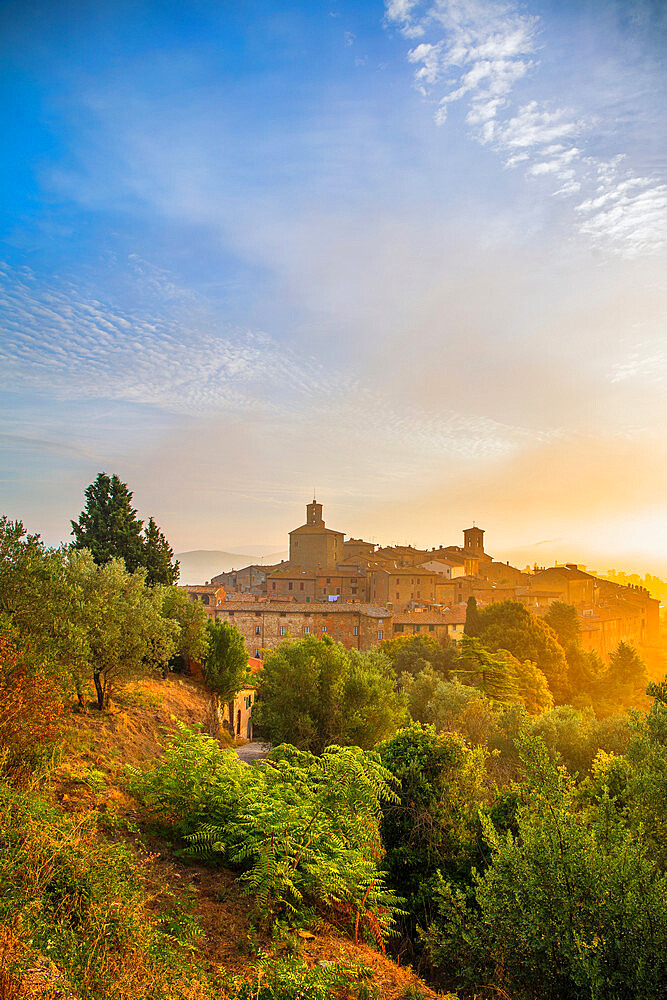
[410, 255]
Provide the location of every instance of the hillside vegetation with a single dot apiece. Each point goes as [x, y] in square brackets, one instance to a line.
[99, 902]
[428, 809]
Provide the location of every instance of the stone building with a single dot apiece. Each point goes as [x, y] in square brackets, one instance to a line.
[209, 594]
[313, 545]
[293, 583]
[445, 626]
[249, 580]
[402, 587]
[265, 624]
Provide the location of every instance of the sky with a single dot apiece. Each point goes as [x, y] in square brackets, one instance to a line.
[409, 256]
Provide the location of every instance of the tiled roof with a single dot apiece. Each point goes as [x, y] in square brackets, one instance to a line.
[316, 607]
[445, 617]
[407, 619]
[298, 573]
[314, 529]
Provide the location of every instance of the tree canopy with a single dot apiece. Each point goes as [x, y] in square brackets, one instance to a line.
[511, 626]
[108, 526]
[158, 557]
[225, 663]
[110, 529]
[314, 692]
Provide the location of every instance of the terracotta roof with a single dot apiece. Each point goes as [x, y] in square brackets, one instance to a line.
[315, 529]
[316, 607]
[407, 619]
[447, 616]
[408, 571]
[569, 572]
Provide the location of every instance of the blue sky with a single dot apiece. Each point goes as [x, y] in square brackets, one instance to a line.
[410, 255]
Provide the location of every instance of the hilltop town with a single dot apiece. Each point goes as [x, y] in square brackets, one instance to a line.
[361, 594]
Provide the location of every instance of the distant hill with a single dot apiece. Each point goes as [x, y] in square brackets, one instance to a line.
[202, 564]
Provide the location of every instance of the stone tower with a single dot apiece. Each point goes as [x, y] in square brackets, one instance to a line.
[473, 541]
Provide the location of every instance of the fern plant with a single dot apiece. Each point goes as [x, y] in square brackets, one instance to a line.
[305, 830]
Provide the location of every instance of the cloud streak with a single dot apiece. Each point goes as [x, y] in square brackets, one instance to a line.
[477, 51]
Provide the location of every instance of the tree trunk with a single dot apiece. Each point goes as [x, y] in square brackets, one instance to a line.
[97, 677]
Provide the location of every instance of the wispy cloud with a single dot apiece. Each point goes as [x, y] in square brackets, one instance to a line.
[477, 51]
[645, 362]
[59, 341]
[56, 337]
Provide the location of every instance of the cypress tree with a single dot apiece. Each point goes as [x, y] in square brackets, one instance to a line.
[108, 526]
[158, 557]
[472, 625]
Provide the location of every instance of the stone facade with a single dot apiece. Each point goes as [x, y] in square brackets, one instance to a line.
[265, 624]
[209, 594]
[297, 584]
[313, 545]
[402, 587]
[250, 579]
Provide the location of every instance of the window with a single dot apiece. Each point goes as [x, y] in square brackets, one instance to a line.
[354, 579]
[290, 585]
[306, 629]
[256, 654]
[431, 628]
[258, 629]
[282, 630]
[380, 635]
[328, 579]
[398, 628]
[273, 585]
[354, 590]
[355, 630]
[324, 628]
[301, 586]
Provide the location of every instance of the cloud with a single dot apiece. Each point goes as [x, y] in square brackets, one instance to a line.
[478, 51]
[57, 338]
[625, 210]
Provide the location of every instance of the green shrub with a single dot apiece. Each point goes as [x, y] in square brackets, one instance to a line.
[304, 829]
[433, 826]
[572, 907]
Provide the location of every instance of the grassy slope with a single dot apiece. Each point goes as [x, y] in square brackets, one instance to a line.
[91, 777]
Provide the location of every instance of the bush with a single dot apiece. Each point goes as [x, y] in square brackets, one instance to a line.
[80, 903]
[433, 827]
[304, 829]
[571, 907]
[314, 693]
